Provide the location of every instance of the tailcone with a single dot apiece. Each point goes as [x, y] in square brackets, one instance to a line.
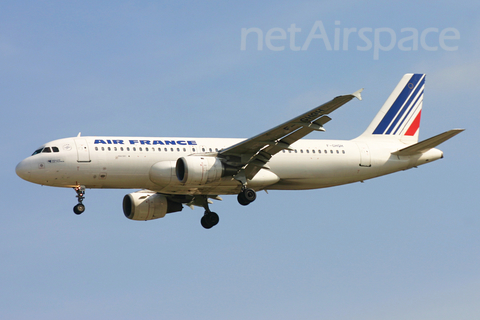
[429, 156]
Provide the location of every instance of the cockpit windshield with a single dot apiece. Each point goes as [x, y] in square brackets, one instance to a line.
[46, 150]
[37, 151]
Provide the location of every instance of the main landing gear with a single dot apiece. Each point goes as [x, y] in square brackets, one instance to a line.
[80, 207]
[209, 219]
[246, 196]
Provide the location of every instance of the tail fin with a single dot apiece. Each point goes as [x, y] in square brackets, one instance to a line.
[399, 117]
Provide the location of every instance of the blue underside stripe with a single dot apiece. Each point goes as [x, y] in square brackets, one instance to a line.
[387, 119]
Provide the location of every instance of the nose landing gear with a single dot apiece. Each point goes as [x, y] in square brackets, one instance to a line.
[80, 207]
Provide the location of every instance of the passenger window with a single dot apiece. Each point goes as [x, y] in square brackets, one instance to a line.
[319, 151]
[184, 150]
[301, 150]
[210, 149]
[159, 149]
[171, 149]
[140, 149]
[166, 149]
[46, 150]
[203, 149]
[216, 149]
[103, 149]
[96, 148]
[338, 151]
[325, 151]
[55, 149]
[295, 150]
[178, 149]
[343, 151]
[331, 151]
[114, 148]
[193, 149]
[313, 151]
[128, 148]
[146, 149]
[121, 148]
[308, 151]
[109, 149]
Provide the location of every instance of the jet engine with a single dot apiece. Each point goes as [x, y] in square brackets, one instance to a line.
[199, 170]
[163, 173]
[148, 206]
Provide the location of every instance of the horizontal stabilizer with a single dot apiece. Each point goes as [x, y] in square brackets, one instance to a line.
[428, 144]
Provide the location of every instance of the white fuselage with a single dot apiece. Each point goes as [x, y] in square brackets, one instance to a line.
[124, 162]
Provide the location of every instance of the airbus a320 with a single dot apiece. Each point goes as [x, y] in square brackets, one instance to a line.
[172, 172]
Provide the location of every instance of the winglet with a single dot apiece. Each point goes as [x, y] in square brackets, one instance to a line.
[357, 94]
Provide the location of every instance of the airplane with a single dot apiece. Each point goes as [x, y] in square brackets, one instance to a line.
[172, 172]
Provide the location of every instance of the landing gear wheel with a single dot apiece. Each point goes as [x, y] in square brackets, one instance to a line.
[209, 220]
[241, 199]
[79, 208]
[249, 194]
[246, 196]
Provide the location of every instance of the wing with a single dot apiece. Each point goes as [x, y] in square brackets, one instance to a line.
[252, 154]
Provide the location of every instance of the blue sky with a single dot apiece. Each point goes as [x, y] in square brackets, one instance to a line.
[404, 246]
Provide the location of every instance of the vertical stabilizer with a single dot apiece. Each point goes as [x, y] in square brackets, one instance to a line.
[399, 117]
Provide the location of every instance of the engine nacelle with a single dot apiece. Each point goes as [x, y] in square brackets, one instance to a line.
[199, 170]
[163, 173]
[148, 206]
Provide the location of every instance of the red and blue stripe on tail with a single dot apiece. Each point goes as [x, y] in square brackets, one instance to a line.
[400, 115]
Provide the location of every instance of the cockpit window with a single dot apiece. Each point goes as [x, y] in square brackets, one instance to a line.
[46, 150]
[37, 151]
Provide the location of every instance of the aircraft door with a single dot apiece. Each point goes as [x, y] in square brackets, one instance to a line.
[365, 158]
[83, 153]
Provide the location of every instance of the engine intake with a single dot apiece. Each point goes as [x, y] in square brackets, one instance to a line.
[148, 206]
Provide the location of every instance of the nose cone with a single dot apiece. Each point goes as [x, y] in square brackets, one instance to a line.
[23, 169]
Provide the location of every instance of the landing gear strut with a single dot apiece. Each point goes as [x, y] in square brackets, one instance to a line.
[246, 196]
[209, 219]
[80, 207]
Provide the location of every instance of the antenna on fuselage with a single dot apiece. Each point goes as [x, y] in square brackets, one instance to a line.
[79, 134]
